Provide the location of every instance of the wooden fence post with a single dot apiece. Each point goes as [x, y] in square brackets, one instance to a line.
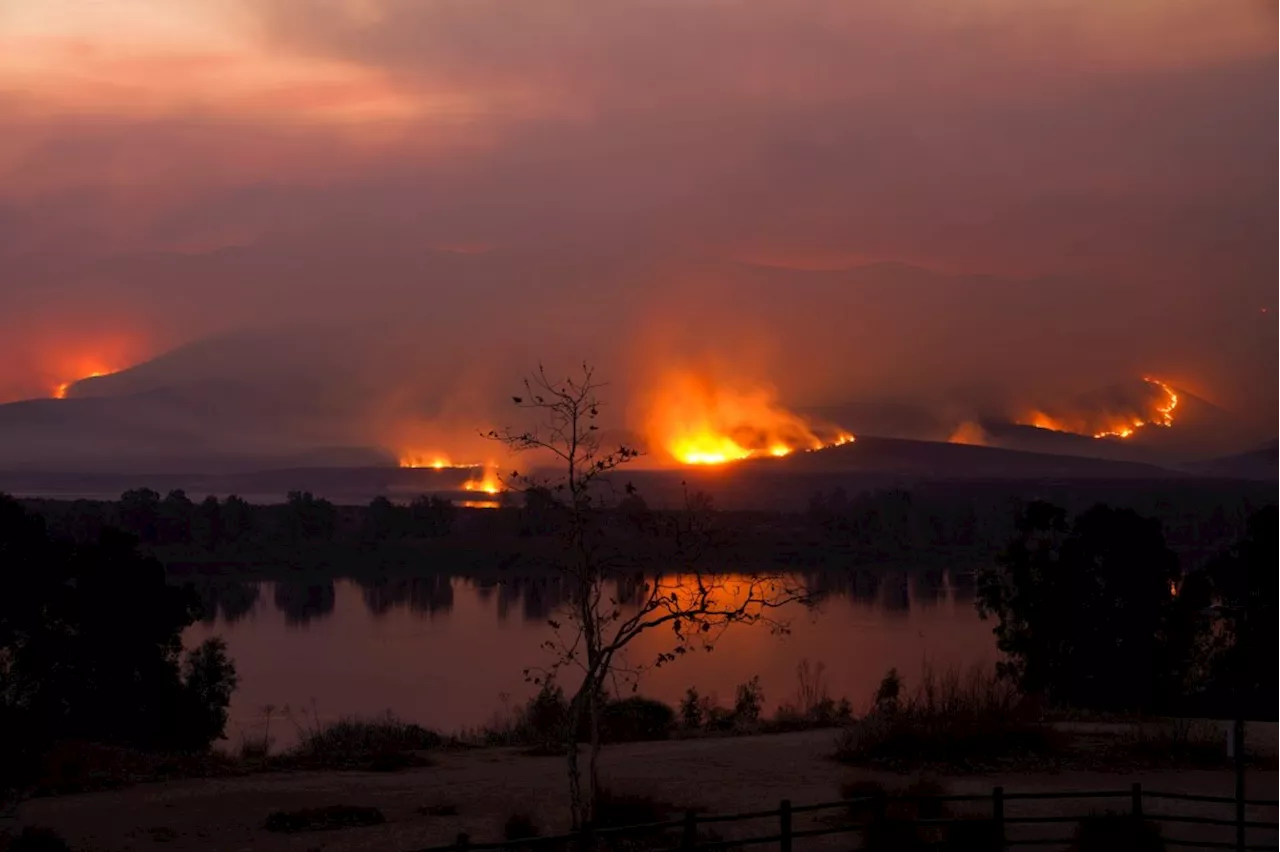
[784, 814]
[463, 843]
[689, 835]
[997, 809]
[1137, 799]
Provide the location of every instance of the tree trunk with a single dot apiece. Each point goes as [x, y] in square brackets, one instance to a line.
[593, 760]
[579, 805]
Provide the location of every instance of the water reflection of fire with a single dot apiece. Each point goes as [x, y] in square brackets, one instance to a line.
[487, 482]
[1111, 425]
[695, 422]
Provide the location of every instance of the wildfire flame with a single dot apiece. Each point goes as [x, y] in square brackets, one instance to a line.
[1122, 426]
[695, 422]
[434, 461]
[1163, 413]
[60, 390]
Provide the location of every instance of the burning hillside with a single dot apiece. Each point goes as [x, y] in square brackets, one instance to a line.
[1116, 416]
[693, 421]
[88, 369]
[434, 461]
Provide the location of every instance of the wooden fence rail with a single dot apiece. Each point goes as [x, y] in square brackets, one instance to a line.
[1137, 798]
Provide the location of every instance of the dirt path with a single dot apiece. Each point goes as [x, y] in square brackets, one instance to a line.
[721, 775]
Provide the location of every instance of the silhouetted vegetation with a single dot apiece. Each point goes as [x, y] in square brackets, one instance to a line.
[90, 648]
[956, 721]
[1241, 586]
[958, 526]
[35, 838]
[381, 745]
[1113, 832]
[319, 819]
[1086, 609]
[889, 819]
[1097, 613]
[519, 827]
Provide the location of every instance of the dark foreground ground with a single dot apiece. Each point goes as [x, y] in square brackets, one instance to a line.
[726, 775]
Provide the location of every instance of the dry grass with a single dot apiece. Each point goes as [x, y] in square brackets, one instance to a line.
[381, 744]
[957, 721]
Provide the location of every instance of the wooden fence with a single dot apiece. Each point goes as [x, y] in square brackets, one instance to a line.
[1136, 800]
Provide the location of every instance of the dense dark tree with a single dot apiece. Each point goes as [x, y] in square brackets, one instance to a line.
[176, 517]
[206, 527]
[385, 520]
[90, 646]
[432, 516]
[140, 513]
[237, 517]
[1242, 586]
[1088, 614]
[307, 518]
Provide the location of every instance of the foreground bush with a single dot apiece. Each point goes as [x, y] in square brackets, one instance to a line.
[1113, 832]
[79, 767]
[35, 838]
[955, 721]
[318, 819]
[889, 820]
[378, 744]
[543, 722]
[636, 719]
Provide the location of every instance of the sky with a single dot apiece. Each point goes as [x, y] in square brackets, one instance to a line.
[502, 181]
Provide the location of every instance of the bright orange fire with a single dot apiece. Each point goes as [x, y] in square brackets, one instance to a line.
[1163, 414]
[695, 422]
[435, 461]
[1112, 425]
[60, 390]
[487, 482]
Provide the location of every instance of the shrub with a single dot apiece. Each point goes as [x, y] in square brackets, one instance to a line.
[623, 809]
[378, 744]
[960, 722]
[636, 718]
[866, 798]
[749, 703]
[35, 838]
[691, 712]
[1112, 832]
[813, 706]
[318, 819]
[77, 767]
[890, 823]
[519, 827]
[545, 719]
[889, 689]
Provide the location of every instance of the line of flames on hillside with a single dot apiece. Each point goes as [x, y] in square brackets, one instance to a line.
[1161, 414]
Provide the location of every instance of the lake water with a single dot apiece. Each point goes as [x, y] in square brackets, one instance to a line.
[449, 652]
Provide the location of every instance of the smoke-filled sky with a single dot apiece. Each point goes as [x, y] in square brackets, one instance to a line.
[452, 189]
